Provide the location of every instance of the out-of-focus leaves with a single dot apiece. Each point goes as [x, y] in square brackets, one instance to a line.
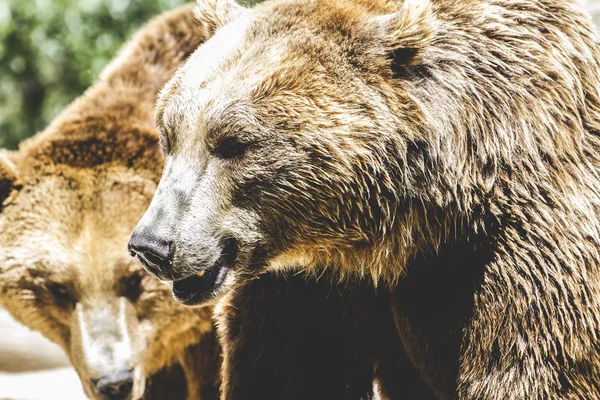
[52, 50]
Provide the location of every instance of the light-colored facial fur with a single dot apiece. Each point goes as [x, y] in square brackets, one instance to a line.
[191, 185]
[68, 202]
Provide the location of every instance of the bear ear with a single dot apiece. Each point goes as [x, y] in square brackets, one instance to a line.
[213, 14]
[8, 175]
[407, 32]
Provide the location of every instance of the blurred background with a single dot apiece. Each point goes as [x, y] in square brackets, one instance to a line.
[50, 52]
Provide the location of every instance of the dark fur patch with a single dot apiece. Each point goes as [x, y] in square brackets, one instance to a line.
[400, 62]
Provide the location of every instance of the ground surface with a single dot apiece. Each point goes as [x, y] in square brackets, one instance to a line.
[32, 368]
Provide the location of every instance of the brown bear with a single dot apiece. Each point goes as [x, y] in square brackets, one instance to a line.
[69, 199]
[444, 152]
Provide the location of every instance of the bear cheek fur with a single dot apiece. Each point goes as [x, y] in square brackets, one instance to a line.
[23, 276]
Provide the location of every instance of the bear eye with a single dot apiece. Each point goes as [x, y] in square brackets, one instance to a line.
[61, 293]
[230, 148]
[132, 286]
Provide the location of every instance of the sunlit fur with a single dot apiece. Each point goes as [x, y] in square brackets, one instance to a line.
[386, 135]
[69, 200]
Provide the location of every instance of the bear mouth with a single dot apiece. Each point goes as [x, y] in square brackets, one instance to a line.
[205, 285]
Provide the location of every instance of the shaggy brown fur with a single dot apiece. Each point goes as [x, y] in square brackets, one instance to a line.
[69, 199]
[289, 337]
[444, 150]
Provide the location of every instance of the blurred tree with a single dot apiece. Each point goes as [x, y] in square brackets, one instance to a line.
[52, 50]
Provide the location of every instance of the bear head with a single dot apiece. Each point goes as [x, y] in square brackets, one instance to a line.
[274, 146]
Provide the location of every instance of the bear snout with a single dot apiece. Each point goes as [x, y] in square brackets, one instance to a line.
[154, 252]
[116, 386]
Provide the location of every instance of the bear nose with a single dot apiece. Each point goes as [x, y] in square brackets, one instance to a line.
[155, 253]
[116, 386]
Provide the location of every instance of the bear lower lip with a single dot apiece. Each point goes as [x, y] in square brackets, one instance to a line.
[196, 290]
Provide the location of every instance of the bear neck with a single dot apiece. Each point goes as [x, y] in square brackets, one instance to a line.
[532, 227]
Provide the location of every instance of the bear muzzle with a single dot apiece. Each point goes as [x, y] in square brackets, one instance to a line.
[155, 253]
[192, 285]
[206, 284]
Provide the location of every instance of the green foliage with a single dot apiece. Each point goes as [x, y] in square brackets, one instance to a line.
[52, 50]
